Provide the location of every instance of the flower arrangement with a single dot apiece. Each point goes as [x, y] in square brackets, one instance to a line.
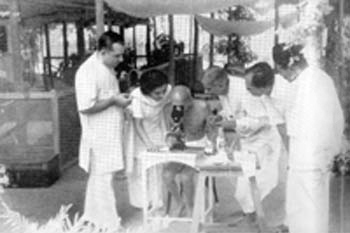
[341, 164]
[236, 47]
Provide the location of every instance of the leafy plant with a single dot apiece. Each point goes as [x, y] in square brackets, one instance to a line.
[236, 47]
[341, 164]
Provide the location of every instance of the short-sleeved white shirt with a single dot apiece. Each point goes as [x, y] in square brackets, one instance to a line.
[152, 114]
[231, 102]
[102, 131]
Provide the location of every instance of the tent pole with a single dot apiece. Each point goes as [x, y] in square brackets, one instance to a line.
[195, 53]
[134, 45]
[65, 43]
[80, 38]
[15, 44]
[148, 43]
[122, 31]
[211, 46]
[99, 17]
[171, 54]
[229, 39]
[154, 28]
[341, 42]
[48, 57]
[277, 19]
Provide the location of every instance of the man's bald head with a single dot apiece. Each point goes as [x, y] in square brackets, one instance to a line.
[180, 95]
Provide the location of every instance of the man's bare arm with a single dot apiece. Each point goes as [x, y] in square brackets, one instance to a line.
[121, 100]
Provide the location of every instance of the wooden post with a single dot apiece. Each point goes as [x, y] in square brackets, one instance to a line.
[109, 24]
[14, 42]
[134, 45]
[211, 46]
[122, 31]
[65, 43]
[341, 62]
[99, 17]
[341, 25]
[171, 54]
[276, 39]
[229, 39]
[48, 58]
[195, 54]
[154, 28]
[80, 38]
[148, 43]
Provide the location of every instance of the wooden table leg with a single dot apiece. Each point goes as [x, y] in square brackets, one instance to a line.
[199, 202]
[144, 198]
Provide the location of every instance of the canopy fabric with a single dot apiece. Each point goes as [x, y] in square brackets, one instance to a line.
[150, 8]
[223, 28]
[39, 12]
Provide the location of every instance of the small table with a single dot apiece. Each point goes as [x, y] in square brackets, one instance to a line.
[194, 157]
[149, 159]
[202, 217]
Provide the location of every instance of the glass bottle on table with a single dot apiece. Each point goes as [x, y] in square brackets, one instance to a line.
[220, 144]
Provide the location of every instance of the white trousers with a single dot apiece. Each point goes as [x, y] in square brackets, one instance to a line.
[100, 202]
[266, 178]
[307, 201]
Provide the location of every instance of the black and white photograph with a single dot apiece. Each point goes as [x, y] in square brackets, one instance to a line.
[174, 116]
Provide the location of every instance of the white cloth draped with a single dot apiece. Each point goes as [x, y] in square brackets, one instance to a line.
[315, 122]
[219, 27]
[315, 126]
[151, 113]
[149, 8]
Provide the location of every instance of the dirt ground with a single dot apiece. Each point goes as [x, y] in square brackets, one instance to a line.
[40, 204]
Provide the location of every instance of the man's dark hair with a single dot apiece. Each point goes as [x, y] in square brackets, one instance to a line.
[152, 79]
[107, 39]
[263, 75]
[287, 56]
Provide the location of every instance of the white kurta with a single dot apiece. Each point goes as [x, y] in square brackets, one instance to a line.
[151, 113]
[231, 102]
[101, 151]
[315, 125]
[267, 144]
[101, 132]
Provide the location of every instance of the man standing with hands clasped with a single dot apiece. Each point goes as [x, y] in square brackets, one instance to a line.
[315, 125]
[100, 106]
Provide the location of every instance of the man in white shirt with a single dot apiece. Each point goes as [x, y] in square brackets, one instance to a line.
[248, 107]
[100, 107]
[315, 125]
[260, 106]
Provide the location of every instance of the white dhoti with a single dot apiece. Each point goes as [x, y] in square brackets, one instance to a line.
[100, 202]
[307, 201]
[266, 178]
[268, 147]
